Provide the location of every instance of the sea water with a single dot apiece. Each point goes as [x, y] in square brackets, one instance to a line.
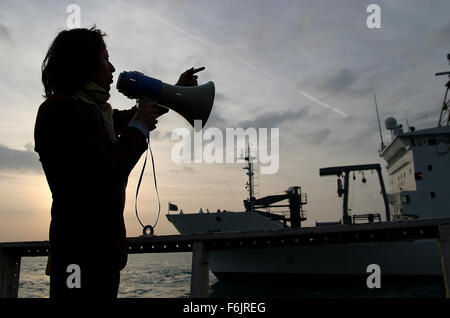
[168, 275]
[145, 276]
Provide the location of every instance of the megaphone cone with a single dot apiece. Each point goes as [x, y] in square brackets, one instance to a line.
[193, 102]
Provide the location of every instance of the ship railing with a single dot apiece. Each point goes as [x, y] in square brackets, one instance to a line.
[201, 244]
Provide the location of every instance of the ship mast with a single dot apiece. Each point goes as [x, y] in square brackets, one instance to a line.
[444, 111]
[250, 184]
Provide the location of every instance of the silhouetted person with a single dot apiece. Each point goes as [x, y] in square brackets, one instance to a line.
[87, 151]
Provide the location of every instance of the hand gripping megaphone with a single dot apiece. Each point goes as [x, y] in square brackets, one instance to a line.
[191, 102]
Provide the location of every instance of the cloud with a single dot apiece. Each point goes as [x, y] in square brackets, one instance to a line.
[6, 177]
[19, 160]
[5, 34]
[271, 119]
[183, 169]
[275, 119]
[220, 97]
[440, 36]
[217, 120]
[427, 117]
[315, 137]
[341, 80]
[346, 81]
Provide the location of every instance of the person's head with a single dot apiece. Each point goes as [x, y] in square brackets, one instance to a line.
[74, 57]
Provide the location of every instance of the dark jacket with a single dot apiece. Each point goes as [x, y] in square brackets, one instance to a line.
[87, 175]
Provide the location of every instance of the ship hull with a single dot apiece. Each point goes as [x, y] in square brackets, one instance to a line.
[413, 258]
[344, 261]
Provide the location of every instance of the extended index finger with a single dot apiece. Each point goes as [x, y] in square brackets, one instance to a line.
[198, 70]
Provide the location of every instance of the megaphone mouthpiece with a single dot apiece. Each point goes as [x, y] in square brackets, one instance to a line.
[193, 103]
[135, 85]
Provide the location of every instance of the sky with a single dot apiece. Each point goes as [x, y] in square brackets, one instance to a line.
[308, 68]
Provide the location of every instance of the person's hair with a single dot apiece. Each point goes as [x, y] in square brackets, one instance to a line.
[73, 58]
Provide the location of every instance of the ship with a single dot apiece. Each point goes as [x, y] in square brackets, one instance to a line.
[418, 170]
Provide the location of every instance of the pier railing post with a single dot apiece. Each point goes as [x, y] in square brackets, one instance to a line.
[9, 275]
[200, 270]
[444, 249]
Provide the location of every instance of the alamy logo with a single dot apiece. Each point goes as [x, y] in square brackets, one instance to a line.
[374, 279]
[74, 19]
[374, 19]
[190, 148]
[74, 279]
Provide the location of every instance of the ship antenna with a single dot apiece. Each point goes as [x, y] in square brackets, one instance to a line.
[407, 123]
[379, 125]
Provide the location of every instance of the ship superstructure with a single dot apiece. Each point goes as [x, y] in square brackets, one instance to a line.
[418, 165]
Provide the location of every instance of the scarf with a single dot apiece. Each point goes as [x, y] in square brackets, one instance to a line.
[94, 94]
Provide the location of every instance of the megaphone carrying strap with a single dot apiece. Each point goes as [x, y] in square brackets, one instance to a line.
[147, 227]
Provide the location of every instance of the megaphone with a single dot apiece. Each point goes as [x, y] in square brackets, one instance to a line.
[193, 102]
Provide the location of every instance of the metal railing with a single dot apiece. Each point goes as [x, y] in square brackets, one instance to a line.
[202, 244]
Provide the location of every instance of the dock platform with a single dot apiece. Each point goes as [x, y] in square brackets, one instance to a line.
[201, 244]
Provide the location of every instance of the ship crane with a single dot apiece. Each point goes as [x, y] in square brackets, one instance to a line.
[296, 199]
[344, 189]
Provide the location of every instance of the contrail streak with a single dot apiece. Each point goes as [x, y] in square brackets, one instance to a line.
[173, 26]
[301, 92]
[251, 66]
